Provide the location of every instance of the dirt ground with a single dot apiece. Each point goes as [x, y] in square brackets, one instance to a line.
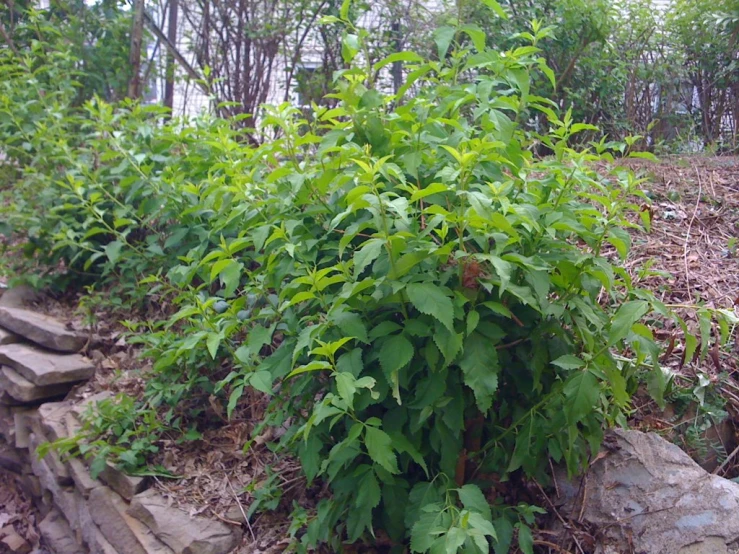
[691, 255]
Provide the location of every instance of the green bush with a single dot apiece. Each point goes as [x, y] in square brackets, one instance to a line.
[430, 308]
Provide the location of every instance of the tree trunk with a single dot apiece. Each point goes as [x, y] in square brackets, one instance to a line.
[172, 35]
[137, 39]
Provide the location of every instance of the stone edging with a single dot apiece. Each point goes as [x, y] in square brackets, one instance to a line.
[114, 514]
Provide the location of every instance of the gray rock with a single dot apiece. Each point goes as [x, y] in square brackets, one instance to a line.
[125, 485]
[23, 390]
[7, 426]
[18, 297]
[100, 545]
[43, 330]
[50, 464]
[646, 490]
[7, 400]
[52, 419]
[81, 406]
[80, 474]
[182, 533]
[46, 368]
[31, 485]
[123, 532]
[24, 421]
[10, 460]
[57, 534]
[6, 337]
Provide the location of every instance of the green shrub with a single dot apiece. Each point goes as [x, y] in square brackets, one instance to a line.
[430, 308]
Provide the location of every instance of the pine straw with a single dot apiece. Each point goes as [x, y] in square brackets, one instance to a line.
[695, 221]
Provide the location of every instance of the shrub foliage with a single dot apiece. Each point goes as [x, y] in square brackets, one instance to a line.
[430, 308]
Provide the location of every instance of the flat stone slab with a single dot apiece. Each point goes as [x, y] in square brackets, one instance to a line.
[43, 330]
[6, 337]
[125, 485]
[126, 534]
[179, 531]
[23, 390]
[46, 368]
[58, 535]
[647, 495]
[18, 297]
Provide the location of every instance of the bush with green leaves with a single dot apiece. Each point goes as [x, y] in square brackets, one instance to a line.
[430, 308]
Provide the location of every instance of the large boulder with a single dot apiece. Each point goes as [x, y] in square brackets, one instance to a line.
[644, 494]
[43, 330]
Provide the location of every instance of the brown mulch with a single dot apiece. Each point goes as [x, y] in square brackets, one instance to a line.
[18, 516]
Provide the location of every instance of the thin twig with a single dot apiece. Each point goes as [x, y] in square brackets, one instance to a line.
[687, 236]
[559, 516]
[241, 507]
[730, 457]
[552, 545]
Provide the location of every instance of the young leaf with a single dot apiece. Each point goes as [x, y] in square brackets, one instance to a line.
[443, 37]
[366, 255]
[496, 7]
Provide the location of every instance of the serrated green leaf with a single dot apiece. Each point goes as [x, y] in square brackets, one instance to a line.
[454, 539]
[568, 361]
[397, 57]
[351, 324]
[479, 363]
[345, 384]
[262, 381]
[379, 448]
[430, 299]
[313, 366]
[497, 9]
[581, 392]
[449, 344]
[504, 270]
[425, 531]
[213, 342]
[113, 250]
[258, 337]
[482, 523]
[422, 494]
[367, 254]
[476, 34]
[443, 37]
[504, 530]
[627, 314]
[368, 491]
[472, 498]
[233, 399]
[397, 352]
[525, 539]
